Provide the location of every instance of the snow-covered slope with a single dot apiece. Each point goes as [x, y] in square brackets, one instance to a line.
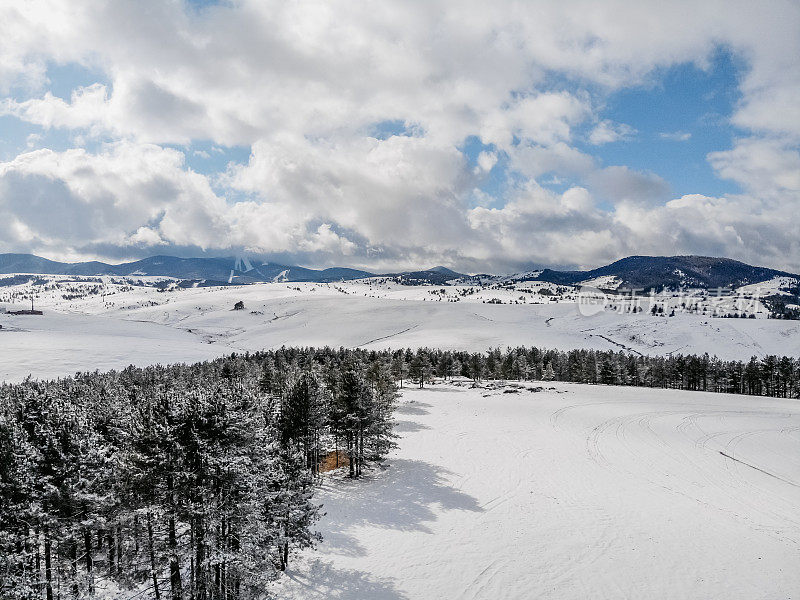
[572, 492]
[100, 324]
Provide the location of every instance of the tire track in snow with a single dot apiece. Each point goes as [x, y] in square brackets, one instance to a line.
[747, 464]
[386, 337]
[691, 473]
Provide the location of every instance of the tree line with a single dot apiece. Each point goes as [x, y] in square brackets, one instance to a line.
[187, 482]
[770, 375]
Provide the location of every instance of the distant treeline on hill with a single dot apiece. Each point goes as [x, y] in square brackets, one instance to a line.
[196, 481]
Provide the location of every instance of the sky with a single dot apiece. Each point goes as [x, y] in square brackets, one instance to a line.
[483, 136]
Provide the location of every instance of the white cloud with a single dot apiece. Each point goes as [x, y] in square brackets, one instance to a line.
[621, 183]
[145, 236]
[76, 199]
[770, 167]
[88, 108]
[607, 131]
[675, 136]
[32, 140]
[487, 161]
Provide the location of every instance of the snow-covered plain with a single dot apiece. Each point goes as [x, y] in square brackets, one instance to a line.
[572, 492]
[105, 323]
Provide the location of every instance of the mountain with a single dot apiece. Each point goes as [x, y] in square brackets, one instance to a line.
[215, 270]
[672, 272]
[433, 276]
[634, 272]
[274, 272]
[28, 263]
[211, 270]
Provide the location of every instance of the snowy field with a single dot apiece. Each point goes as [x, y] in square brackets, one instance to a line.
[90, 325]
[572, 492]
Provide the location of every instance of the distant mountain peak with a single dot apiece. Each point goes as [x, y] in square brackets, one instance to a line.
[672, 272]
[444, 270]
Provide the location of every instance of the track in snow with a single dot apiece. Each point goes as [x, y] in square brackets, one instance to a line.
[579, 491]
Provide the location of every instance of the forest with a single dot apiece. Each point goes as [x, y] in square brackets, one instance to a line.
[179, 481]
[196, 482]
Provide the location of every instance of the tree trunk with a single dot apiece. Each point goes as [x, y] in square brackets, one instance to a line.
[38, 562]
[136, 533]
[48, 565]
[360, 446]
[351, 454]
[87, 548]
[73, 559]
[119, 548]
[192, 584]
[176, 585]
[217, 567]
[200, 557]
[223, 566]
[111, 548]
[284, 550]
[232, 579]
[151, 548]
[174, 564]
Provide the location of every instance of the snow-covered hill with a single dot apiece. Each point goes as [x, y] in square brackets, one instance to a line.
[673, 272]
[109, 322]
[572, 492]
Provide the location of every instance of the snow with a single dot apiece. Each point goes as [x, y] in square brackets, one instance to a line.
[110, 325]
[776, 285]
[607, 282]
[55, 345]
[573, 492]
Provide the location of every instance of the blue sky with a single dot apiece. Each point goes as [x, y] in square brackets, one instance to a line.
[682, 99]
[679, 114]
[402, 137]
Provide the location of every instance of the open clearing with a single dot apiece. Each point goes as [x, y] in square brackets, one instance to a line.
[572, 492]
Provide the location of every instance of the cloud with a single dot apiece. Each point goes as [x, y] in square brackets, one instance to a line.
[675, 136]
[128, 193]
[621, 183]
[87, 108]
[770, 167]
[607, 131]
[487, 161]
[136, 197]
[32, 140]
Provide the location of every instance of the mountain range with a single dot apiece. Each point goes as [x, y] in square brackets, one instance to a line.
[209, 270]
[634, 272]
